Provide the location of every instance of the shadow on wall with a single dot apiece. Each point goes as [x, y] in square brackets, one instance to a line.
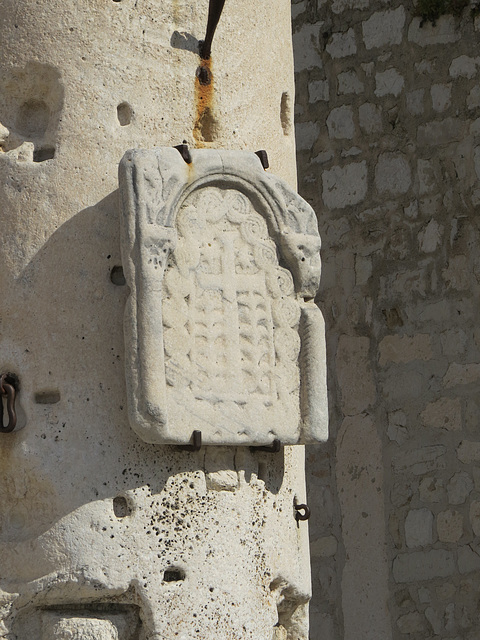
[71, 300]
[31, 103]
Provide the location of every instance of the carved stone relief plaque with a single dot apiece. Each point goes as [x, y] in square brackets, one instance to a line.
[222, 334]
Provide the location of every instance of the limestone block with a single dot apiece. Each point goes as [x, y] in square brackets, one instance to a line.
[412, 622]
[476, 160]
[349, 82]
[306, 47]
[426, 176]
[415, 102]
[222, 480]
[441, 96]
[468, 558]
[397, 348]
[459, 487]
[434, 619]
[324, 547]
[354, 374]
[464, 66]
[384, 28]
[344, 186]
[219, 338]
[323, 624]
[453, 342]
[359, 473]
[338, 6]
[468, 451]
[370, 117]
[442, 32]
[445, 591]
[342, 45]
[389, 82]
[421, 461]
[298, 8]
[475, 516]
[430, 237]
[306, 134]
[474, 127]
[351, 152]
[473, 98]
[423, 565]
[411, 210]
[71, 627]
[441, 132]
[363, 269]
[340, 123]
[456, 274]
[431, 490]
[419, 528]
[461, 374]
[397, 426]
[318, 90]
[393, 174]
[449, 526]
[444, 413]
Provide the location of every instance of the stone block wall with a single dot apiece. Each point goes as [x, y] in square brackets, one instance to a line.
[388, 148]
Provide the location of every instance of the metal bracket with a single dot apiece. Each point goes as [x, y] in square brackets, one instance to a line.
[262, 154]
[184, 152]
[196, 443]
[270, 448]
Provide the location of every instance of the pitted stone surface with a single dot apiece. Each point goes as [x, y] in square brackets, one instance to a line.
[101, 534]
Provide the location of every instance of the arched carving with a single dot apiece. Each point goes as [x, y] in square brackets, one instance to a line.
[220, 257]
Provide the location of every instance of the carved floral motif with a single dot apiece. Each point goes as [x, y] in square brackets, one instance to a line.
[219, 257]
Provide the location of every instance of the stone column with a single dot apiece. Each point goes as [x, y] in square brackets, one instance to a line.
[101, 534]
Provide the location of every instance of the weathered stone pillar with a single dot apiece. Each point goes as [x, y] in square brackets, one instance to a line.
[101, 534]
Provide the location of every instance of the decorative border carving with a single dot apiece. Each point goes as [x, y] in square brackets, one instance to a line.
[153, 186]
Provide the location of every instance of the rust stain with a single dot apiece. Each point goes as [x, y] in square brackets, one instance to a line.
[205, 127]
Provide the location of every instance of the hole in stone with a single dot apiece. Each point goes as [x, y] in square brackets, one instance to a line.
[117, 276]
[120, 507]
[173, 574]
[207, 126]
[32, 118]
[124, 110]
[48, 396]
[44, 153]
[285, 111]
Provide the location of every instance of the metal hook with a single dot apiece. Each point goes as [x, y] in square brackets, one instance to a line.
[7, 390]
[301, 516]
[184, 152]
[215, 9]
[269, 448]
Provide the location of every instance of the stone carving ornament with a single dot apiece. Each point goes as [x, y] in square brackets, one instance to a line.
[222, 334]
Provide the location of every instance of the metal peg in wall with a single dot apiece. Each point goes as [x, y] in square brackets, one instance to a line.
[8, 390]
[196, 443]
[215, 9]
[302, 512]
